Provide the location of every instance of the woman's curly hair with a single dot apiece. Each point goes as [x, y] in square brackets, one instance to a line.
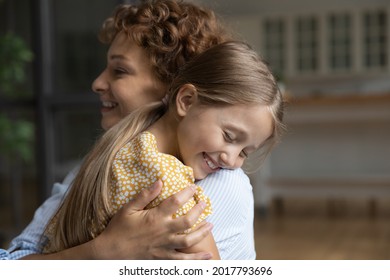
[172, 32]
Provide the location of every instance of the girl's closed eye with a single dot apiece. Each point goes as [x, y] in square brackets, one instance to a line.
[228, 137]
[244, 154]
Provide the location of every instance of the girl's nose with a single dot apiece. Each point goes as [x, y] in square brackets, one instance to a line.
[100, 84]
[231, 159]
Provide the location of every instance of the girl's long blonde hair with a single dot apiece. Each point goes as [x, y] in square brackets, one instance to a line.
[227, 74]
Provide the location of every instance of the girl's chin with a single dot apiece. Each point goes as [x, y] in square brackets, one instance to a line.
[198, 176]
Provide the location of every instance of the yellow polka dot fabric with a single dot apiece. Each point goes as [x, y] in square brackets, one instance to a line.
[139, 164]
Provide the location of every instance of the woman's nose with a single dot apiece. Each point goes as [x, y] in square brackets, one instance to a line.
[100, 85]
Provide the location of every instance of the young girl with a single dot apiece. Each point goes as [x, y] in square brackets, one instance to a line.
[222, 107]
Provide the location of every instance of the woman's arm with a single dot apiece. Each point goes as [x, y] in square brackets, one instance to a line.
[134, 233]
[30, 241]
[205, 245]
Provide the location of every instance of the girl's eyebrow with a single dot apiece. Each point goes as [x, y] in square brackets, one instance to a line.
[241, 133]
[235, 129]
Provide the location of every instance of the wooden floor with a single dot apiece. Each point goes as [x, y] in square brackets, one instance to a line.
[309, 232]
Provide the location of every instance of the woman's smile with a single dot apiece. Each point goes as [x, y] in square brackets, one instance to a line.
[107, 106]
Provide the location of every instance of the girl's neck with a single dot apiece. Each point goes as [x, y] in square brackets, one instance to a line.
[165, 131]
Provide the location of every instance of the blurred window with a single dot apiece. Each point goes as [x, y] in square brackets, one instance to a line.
[275, 44]
[375, 39]
[18, 170]
[340, 52]
[78, 54]
[307, 41]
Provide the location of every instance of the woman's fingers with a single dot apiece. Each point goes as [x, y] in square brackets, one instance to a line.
[170, 205]
[182, 223]
[143, 198]
[176, 255]
[192, 238]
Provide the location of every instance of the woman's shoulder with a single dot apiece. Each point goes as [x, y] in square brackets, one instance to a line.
[229, 190]
[227, 178]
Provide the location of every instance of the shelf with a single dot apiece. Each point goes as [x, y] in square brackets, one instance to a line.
[367, 108]
[348, 99]
[331, 187]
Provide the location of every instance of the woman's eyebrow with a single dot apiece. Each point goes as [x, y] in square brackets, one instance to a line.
[122, 59]
[118, 57]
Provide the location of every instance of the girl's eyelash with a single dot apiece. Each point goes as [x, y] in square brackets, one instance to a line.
[228, 137]
[244, 154]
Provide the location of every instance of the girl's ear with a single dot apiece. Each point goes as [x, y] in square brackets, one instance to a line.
[185, 98]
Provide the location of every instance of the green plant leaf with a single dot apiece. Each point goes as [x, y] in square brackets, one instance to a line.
[14, 54]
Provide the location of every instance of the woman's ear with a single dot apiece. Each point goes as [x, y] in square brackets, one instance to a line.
[185, 98]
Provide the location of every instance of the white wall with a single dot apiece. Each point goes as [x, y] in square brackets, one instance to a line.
[268, 7]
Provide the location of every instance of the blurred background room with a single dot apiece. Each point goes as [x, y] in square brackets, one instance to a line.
[324, 193]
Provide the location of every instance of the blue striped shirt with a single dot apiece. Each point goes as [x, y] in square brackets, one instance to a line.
[233, 208]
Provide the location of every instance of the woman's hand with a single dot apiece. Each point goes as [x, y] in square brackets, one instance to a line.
[134, 233]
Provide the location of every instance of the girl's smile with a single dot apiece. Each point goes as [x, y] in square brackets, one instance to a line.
[211, 163]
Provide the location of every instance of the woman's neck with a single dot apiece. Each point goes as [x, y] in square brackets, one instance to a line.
[165, 131]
